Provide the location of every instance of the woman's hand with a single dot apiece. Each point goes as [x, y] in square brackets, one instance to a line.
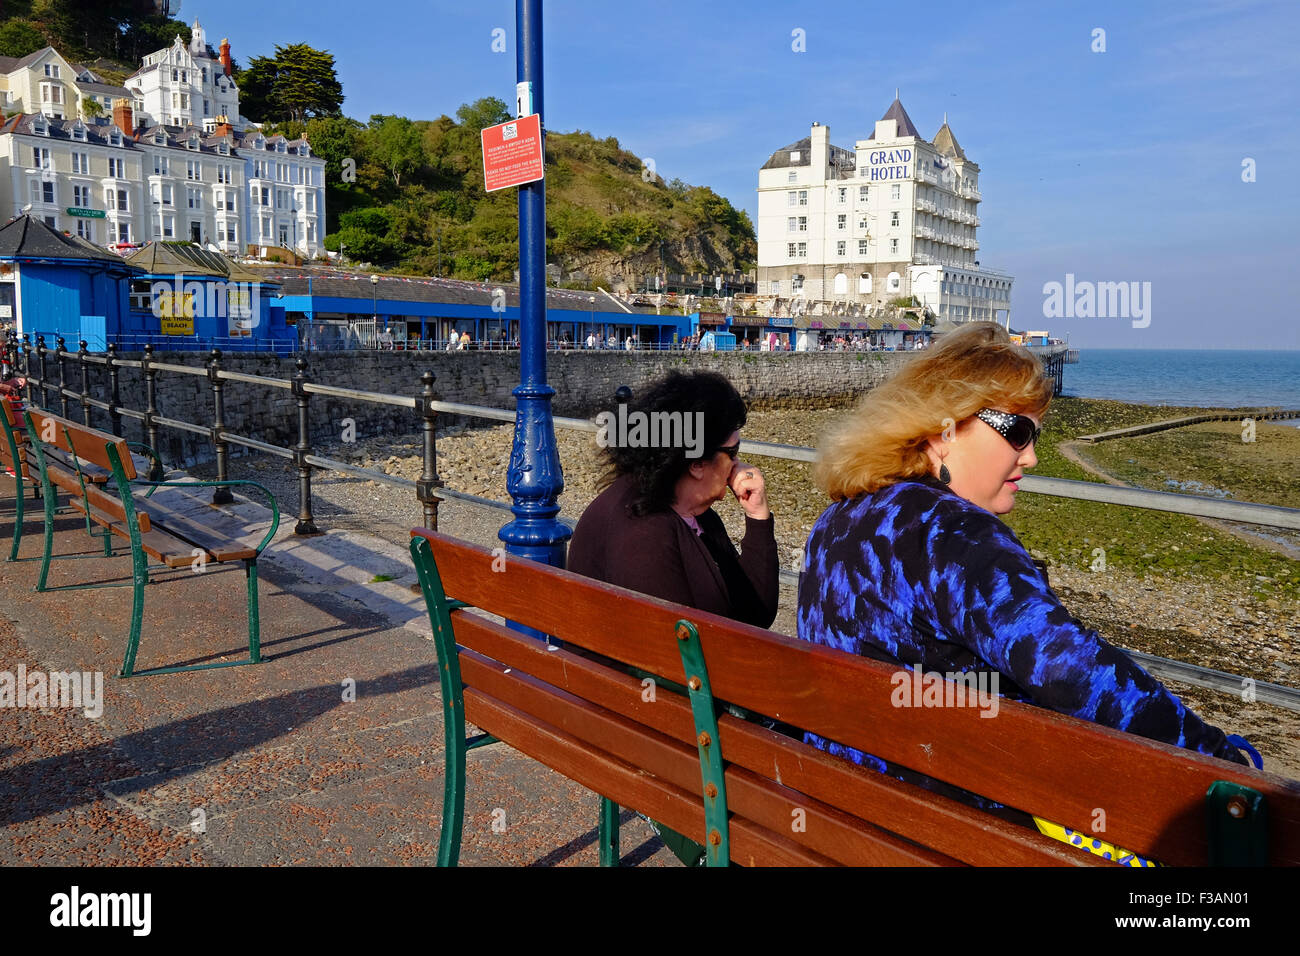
[747, 484]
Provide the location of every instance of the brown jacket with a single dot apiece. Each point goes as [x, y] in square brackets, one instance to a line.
[661, 556]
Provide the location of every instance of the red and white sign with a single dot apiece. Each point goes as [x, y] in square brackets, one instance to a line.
[512, 153]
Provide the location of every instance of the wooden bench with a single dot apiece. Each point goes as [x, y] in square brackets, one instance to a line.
[756, 797]
[18, 461]
[172, 522]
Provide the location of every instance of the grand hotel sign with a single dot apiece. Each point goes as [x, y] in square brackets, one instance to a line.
[885, 164]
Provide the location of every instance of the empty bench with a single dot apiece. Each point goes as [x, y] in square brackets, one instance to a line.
[173, 522]
[756, 797]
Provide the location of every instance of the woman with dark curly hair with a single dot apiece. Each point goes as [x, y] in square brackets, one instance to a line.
[672, 454]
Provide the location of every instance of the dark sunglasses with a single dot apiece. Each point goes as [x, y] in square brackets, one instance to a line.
[731, 451]
[1019, 431]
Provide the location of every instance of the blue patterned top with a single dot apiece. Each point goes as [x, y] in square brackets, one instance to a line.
[916, 574]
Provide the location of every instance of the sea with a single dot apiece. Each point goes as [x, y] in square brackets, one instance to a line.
[1197, 377]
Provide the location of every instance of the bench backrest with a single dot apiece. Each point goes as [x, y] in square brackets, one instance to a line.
[90, 446]
[572, 711]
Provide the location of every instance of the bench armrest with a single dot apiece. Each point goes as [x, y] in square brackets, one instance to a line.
[275, 508]
[141, 446]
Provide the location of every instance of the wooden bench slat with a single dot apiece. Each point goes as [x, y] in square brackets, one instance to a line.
[1060, 768]
[768, 805]
[624, 783]
[224, 535]
[965, 833]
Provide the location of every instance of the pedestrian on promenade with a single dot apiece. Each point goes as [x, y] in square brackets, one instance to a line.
[917, 477]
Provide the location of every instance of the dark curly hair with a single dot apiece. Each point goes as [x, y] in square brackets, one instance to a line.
[656, 470]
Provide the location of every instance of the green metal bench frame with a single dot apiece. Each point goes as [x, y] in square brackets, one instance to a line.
[139, 559]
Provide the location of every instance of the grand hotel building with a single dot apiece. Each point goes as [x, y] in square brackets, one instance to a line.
[896, 216]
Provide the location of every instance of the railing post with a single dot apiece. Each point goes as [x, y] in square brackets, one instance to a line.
[221, 496]
[114, 392]
[305, 525]
[426, 488]
[60, 347]
[85, 383]
[151, 410]
[27, 363]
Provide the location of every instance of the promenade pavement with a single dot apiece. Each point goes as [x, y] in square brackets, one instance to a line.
[257, 765]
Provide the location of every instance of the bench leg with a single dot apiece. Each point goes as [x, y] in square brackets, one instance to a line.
[139, 578]
[608, 832]
[18, 519]
[254, 621]
[49, 542]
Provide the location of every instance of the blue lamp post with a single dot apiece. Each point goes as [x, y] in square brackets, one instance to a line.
[534, 479]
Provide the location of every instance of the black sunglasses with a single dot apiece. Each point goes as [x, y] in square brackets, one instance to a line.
[1019, 431]
[731, 451]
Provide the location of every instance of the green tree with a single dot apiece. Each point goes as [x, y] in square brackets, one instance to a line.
[90, 108]
[298, 83]
[479, 115]
[397, 145]
[20, 37]
[306, 84]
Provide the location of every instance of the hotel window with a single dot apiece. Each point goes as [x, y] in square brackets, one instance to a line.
[803, 223]
[840, 248]
[794, 156]
[52, 222]
[311, 232]
[116, 168]
[86, 229]
[194, 198]
[893, 245]
[52, 69]
[166, 194]
[168, 227]
[230, 233]
[41, 157]
[841, 222]
[792, 176]
[791, 223]
[862, 247]
[311, 202]
[895, 191]
[894, 282]
[893, 218]
[123, 232]
[194, 170]
[180, 101]
[266, 196]
[803, 250]
[843, 194]
[223, 174]
[160, 165]
[117, 200]
[266, 225]
[81, 196]
[791, 249]
[792, 198]
[803, 197]
[81, 163]
[42, 192]
[796, 283]
[864, 283]
[864, 193]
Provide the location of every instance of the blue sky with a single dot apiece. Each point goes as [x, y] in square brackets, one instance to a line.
[1122, 165]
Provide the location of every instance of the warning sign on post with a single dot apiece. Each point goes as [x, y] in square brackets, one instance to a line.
[512, 153]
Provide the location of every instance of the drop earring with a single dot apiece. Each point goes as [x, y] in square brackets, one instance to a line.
[944, 474]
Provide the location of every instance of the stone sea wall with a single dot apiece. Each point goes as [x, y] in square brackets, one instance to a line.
[584, 383]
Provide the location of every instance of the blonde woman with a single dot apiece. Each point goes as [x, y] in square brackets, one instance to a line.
[911, 565]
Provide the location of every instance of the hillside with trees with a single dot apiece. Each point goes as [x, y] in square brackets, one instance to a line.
[408, 195]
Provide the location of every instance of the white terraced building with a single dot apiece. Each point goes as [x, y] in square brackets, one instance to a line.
[895, 216]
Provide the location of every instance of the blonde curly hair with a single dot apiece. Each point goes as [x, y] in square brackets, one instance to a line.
[883, 439]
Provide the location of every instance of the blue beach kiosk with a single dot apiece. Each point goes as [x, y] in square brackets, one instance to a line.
[54, 284]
